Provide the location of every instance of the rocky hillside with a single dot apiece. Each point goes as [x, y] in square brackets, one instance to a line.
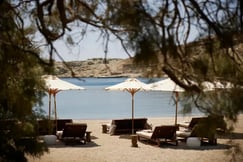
[98, 68]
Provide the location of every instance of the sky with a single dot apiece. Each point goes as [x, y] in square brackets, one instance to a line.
[90, 47]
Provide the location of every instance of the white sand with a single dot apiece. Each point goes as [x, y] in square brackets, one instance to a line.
[106, 148]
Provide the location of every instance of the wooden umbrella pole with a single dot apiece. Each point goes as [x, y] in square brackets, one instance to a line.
[49, 105]
[133, 91]
[132, 113]
[177, 98]
[55, 108]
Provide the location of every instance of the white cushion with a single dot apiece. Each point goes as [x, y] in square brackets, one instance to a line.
[145, 134]
[184, 133]
[59, 134]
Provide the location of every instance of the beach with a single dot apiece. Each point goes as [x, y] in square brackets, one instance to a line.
[118, 148]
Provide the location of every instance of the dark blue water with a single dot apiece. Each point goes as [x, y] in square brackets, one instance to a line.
[97, 103]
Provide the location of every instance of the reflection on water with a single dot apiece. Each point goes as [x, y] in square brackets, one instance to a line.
[96, 103]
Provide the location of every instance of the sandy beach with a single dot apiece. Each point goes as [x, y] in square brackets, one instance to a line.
[117, 148]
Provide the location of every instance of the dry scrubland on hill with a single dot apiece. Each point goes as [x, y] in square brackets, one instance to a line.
[98, 68]
[123, 67]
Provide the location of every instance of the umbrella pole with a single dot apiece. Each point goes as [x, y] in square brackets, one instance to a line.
[132, 113]
[49, 106]
[177, 98]
[55, 107]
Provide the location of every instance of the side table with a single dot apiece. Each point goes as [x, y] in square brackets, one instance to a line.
[88, 136]
[104, 128]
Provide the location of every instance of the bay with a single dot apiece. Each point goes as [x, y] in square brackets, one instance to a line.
[96, 103]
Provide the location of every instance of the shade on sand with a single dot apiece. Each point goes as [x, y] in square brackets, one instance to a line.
[131, 85]
[55, 85]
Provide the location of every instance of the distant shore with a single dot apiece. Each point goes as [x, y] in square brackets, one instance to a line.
[97, 68]
[107, 77]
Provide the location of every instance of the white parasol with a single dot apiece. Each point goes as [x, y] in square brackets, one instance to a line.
[131, 85]
[55, 85]
[169, 86]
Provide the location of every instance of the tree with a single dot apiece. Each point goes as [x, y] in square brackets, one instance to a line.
[21, 86]
[188, 40]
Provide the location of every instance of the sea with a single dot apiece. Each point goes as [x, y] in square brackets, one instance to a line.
[97, 103]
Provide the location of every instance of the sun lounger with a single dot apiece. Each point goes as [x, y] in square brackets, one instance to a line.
[192, 123]
[62, 122]
[124, 126]
[73, 132]
[203, 133]
[164, 133]
[217, 120]
[205, 128]
[44, 126]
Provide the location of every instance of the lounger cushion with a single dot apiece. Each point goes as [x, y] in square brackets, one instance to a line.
[184, 133]
[145, 134]
[112, 129]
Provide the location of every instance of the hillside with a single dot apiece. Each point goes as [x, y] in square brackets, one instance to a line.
[97, 68]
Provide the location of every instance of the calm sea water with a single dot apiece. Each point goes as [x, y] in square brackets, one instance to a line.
[96, 103]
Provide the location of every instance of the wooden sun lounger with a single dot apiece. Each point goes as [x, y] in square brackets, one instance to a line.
[205, 128]
[62, 122]
[202, 133]
[74, 132]
[192, 123]
[54, 125]
[124, 126]
[46, 126]
[167, 133]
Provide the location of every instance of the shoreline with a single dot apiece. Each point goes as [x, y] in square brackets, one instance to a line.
[98, 77]
[186, 116]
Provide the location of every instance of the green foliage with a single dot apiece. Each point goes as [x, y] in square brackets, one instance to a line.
[200, 66]
[224, 102]
[21, 86]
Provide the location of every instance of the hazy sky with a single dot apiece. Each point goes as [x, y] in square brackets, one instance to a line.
[90, 47]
